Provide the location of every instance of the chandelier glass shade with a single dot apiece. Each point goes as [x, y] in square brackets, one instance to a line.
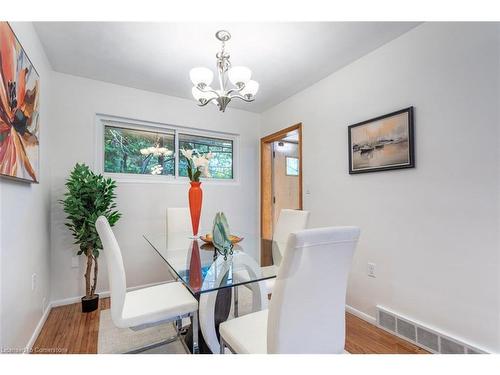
[234, 82]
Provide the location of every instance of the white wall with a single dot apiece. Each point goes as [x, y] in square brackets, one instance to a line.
[432, 231]
[24, 225]
[77, 100]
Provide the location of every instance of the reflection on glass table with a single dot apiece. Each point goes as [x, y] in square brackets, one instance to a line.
[199, 266]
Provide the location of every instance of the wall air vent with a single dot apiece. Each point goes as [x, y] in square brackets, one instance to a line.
[406, 330]
[422, 336]
[387, 321]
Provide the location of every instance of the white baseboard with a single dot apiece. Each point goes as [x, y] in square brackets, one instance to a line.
[38, 329]
[367, 318]
[69, 301]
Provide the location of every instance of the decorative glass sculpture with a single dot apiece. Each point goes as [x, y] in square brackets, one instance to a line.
[220, 235]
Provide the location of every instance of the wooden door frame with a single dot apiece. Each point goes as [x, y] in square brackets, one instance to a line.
[266, 175]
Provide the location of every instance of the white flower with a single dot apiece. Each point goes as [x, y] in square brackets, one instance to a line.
[209, 156]
[156, 151]
[205, 172]
[188, 154]
[200, 161]
[165, 151]
[156, 169]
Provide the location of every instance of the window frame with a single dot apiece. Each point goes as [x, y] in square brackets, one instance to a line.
[213, 136]
[286, 166]
[101, 120]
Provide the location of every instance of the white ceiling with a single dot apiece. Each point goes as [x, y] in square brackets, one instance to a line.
[284, 57]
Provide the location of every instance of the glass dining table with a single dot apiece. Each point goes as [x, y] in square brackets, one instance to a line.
[213, 279]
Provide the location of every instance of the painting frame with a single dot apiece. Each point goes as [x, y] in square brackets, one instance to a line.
[411, 143]
[32, 140]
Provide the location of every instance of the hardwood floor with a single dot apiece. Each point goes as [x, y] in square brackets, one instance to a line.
[365, 338]
[67, 330]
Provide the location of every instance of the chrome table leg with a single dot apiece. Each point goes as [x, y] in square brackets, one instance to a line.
[196, 349]
[236, 312]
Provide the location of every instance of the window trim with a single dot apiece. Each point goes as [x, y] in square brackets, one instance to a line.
[101, 120]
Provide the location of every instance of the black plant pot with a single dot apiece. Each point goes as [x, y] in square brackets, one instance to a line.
[90, 304]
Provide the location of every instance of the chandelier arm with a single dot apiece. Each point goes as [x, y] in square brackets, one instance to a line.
[238, 90]
[209, 90]
[204, 104]
[243, 98]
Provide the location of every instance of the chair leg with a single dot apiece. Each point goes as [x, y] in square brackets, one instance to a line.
[152, 346]
[178, 324]
[236, 312]
[222, 346]
[196, 349]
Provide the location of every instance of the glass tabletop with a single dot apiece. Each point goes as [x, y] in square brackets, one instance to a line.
[202, 269]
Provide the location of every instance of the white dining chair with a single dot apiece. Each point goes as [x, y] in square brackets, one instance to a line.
[144, 307]
[307, 311]
[216, 276]
[178, 220]
[288, 222]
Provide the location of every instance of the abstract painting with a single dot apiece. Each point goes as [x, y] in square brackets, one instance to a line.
[382, 143]
[19, 110]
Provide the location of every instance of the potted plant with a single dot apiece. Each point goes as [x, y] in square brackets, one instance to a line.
[89, 196]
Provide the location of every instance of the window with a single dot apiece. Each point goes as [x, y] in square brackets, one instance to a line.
[292, 166]
[136, 151]
[221, 164]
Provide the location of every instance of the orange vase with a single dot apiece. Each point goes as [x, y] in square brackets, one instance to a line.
[195, 199]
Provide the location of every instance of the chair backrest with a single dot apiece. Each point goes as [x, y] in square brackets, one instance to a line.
[307, 308]
[178, 220]
[288, 222]
[116, 271]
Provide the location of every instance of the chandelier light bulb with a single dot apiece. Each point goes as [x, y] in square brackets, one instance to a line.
[239, 75]
[201, 76]
[251, 88]
[197, 94]
[202, 96]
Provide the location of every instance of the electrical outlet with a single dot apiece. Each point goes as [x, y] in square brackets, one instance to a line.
[75, 261]
[371, 270]
[33, 282]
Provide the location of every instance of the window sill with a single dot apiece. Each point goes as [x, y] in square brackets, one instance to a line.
[150, 179]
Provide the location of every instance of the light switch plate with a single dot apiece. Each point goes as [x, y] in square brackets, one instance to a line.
[371, 270]
[33, 282]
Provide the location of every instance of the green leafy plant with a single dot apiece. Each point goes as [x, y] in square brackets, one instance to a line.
[89, 196]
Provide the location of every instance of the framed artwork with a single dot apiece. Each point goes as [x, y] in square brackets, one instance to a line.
[19, 110]
[382, 143]
[292, 166]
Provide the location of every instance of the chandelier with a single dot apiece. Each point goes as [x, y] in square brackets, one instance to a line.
[242, 86]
